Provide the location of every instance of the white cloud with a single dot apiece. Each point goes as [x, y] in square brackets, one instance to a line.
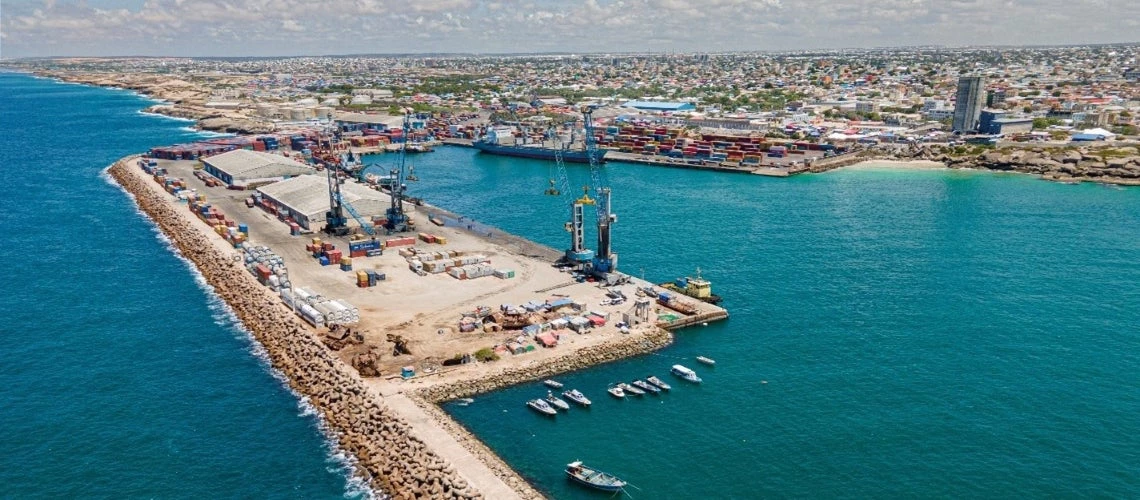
[287, 27]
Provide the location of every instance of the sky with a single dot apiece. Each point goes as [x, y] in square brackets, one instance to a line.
[37, 28]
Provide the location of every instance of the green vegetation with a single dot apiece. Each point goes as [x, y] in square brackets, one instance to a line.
[486, 354]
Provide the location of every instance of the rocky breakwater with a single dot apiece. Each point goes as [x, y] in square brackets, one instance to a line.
[386, 454]
[641, 342]
[1107, 164]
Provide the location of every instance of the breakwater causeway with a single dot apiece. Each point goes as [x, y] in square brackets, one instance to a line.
[388, 455]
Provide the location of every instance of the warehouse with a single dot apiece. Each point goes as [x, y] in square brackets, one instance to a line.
[306, 199]
[244, 169]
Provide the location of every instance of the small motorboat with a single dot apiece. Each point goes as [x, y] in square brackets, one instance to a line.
[465, 401]
[707, 361]
[631, 389]
[553, 384]
[616, 392]
[659, 383]
[556, 402]
[686, 374]
[542, 407]
[593, 478]
[577, 397]
[640, 384]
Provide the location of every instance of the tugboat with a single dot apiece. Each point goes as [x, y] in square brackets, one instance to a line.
[593, 478]
[695, 287]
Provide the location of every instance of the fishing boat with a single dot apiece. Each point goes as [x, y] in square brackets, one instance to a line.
[556, 402]
[659, 383]
[616, 392]
[640, 384]
[553, 384]
[707, 361]
[542, 407]
[631, 389]
[577, 397]
[593, 478]
[686, 374]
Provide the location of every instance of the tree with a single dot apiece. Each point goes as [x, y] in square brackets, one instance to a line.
[1040, 124]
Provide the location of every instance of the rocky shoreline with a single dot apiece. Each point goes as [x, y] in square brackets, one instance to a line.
[1103, 164]
[182, 99]
[387, 455]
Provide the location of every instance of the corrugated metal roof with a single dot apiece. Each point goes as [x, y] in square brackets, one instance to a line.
[309, 195]
[246, 164]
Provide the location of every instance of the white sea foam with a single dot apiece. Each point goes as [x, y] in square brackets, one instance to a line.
[160, 115]
[224, 316]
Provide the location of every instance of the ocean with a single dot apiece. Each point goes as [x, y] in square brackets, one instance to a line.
[894, 333]
[121, 375]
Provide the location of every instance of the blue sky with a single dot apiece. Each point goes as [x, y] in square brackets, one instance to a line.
[312, 27]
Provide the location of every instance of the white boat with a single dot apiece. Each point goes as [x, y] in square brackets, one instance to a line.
[553, 384]
[616, 392]
[542, 407]
[577, 397]
[556, 402]
[686, 374]
[640, 384]
[659, 383]
[707, 361]
[631, 389]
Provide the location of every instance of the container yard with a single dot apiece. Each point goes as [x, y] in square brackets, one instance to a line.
[433, 294]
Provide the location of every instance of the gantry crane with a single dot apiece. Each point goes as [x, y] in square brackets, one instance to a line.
[603, 261]
[397, 219]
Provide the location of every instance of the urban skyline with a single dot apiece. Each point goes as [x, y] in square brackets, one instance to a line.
[271, 28]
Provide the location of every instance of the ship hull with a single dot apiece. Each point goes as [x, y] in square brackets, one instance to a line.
[538, 153]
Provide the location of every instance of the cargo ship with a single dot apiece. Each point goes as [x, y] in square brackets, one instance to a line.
[492, 143]
[697, 288]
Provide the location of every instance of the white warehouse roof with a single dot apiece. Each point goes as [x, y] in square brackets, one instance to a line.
[309, 195]
[245, 164]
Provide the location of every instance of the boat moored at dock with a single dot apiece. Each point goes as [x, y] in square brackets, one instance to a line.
[652, 379]
[576, 396]
[556, 402]
[695, 287]
[593, 478]
[542, 407]
[630, 389]
[641, 384]
[685, 373]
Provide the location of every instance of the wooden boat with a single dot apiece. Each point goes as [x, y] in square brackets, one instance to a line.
[542, 407]
[577, 397]
[707, 361]
[631, 389]
[616, 392]
[588, 476]
[686, 374]
[659, 383]
[640, 384]
[556, 402]
[553, 384]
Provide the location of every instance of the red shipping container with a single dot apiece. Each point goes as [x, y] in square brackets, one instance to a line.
[329, 246]
[334, 257]
[263, 271]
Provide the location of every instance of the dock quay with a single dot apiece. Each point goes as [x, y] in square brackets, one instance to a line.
[411, 324]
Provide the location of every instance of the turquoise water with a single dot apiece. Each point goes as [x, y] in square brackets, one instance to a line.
[120, 376]
[921, 334]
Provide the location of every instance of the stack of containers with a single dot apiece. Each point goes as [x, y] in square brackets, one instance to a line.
[346, 264]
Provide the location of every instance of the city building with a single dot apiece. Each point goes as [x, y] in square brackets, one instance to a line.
[1000, 123]
[660, 106]
[968, 103]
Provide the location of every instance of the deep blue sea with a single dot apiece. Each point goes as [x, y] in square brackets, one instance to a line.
[947, 334]
[921, 334]
[120, 375]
